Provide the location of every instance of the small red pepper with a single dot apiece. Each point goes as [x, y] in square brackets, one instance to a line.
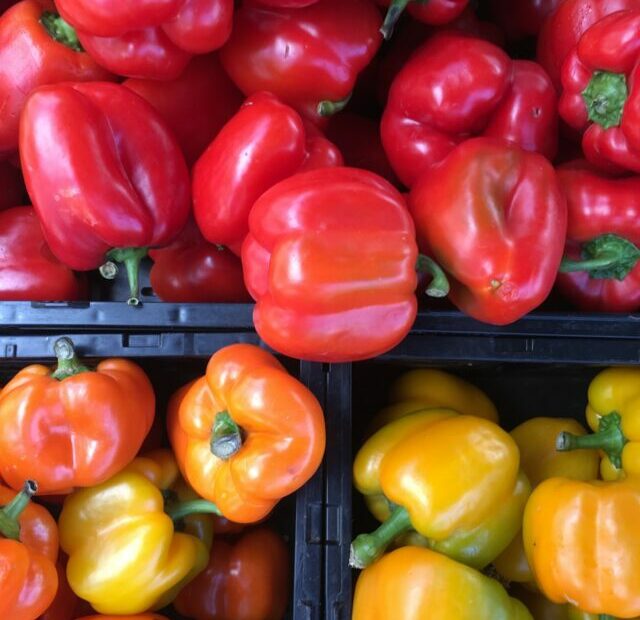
[330, 259]
[192, 270]
[105, 175]
[36, 49]
[308, 57]
[601, 91]
[151, 39]
[12, 190]
[195, 105]
[28, 269]
[455, 86]
[494, 218]
[265, 142]
[601, 271]
[436, 12]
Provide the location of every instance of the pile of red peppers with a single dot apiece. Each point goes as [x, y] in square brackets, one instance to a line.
[340, 162]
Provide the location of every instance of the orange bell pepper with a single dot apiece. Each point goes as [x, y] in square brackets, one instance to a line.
[581, 540]
[247, 433]
[73, 427]
[244, 580]
[28, 552]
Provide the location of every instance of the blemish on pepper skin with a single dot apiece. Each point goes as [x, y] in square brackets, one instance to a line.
[536, 112]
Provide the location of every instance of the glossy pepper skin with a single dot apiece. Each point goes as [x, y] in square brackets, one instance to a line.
[76, 427]
[247, 433]
[304, 56]
[247, 579]
[495, 219]
[264, 143]
[105, 175]
[581, 543]
[613, 414]
[413, 583]
[563, 28]
[52, 58]
[455, 86]
[316, 298]
[12, 191]
[154, 39]
[599, 207]
[195, 105]
[192, 270]
[129, 512]
[411, 462]
[600, 95]
[28, 552]
[28, 269]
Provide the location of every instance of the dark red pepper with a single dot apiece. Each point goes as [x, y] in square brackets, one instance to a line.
[12, 190]
[105, 174]
[523, 18]
[196, 105]
[435, 12]
[456, 86]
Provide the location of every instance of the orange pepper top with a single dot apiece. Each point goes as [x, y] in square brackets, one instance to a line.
[247, 433]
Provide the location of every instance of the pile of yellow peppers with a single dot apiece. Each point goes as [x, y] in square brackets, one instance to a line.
[541, 523]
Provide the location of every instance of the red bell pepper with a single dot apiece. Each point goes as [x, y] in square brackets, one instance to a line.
[563, 28]
[196, 105]
[494, 218]
[330, 259]
[436, 12]
[152, 39]
[35, 49]
[245, 580]
[293, 4]
[601, 92]
[309, 57]
[193, 270]
[265, 142]
[521, 19]
[602, 264]
[12, 191]
[105, 175]
[455, 86]
[28, 269]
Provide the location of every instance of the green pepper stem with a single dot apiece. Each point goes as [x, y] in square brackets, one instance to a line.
[329, 108]
[61, 31]
[605, 96]
[607, 617]
[194, 507]
[569, 265]
[367, 548]
[10, 514]
[395, 10]
[69, 363]
[609, 438]
[131, 258]
[226, 438]
[439, 285]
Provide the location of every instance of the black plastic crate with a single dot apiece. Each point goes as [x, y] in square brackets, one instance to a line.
[171, 360]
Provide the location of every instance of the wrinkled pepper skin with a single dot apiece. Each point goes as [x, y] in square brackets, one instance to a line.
[12, 190]
[247, 579]
[413, 583]
[495, 219]
[455, 86]
[28, 552]
[75, 427]
[581, 543]
[247, 433]
[128, 513]
[600, 205]
[192, 270]
[304, 56]
[154, 39]
[316, 298]
[196, 105]
[264, 143]
[31, 57]
[104, 172]
[563, 28]
[28, 269]
[613, 413]
[408, 462]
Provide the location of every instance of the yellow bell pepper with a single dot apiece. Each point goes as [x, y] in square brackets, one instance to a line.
[412, 583]
[536, 439]
[614, 413]
[581, 541]
[445, 475]
[125, 556]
